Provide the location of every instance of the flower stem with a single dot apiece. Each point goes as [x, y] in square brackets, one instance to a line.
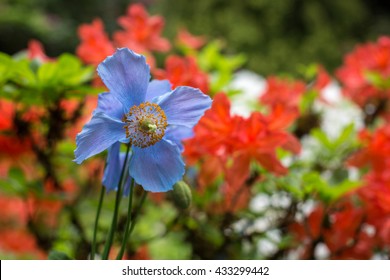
[93, 250]
[128, 221]
[118, 197]
[144, 194]
[130, 224]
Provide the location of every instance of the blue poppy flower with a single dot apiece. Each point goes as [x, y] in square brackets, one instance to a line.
[147, 115]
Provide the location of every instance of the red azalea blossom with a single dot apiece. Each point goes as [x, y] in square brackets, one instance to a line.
[44, 211]
[339, 227]
[183, 71]
[227, 144]
[213, 132]
[7, 109]
[323, 78]
[188, 40]
[376, 196]
[95, 45]
[142, 33]
[11, 144]
[14, 146]
[363, 60]
[14, 211]
[35, 51]
[20, 242]
[375, 193]
[376, 152]
[283, 92]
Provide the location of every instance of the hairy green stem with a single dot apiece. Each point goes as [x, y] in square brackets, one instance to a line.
[110, 238]
[128, 222]
[133, 222]
[101, 197]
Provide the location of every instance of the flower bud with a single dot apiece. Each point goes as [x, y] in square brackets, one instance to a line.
[181, 195]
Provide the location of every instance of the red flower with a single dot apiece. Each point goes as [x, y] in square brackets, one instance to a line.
[95, 45]
[35, 51]
[13, 146]
[13, 211]
[10, 143]
[310, 229]
[44, 211]
[20, 242]
[227, 144]
[364, 59]
[213, 133]
[322, 79]
[283, 92]
[376, 152]
[183, 71]
[376, 197]
[188, 40]
[7, 109]
[258, 139]
[142, 33]
[345, 222]
[340, 227]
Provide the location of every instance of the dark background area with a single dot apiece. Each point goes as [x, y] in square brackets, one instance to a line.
[275, 35]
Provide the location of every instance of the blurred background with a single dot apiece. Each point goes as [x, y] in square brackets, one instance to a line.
[276, 35]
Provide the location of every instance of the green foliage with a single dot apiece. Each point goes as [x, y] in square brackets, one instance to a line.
[314, 184]
[172, 247]
[15, 183]
[307, 101]
[331, 153]
[377, 80]
[213, 61]
[43, 83]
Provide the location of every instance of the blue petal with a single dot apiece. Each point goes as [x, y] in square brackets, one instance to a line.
[127, 187]
[184, 106]
[97, 135]
[177, 134]
[127, 76]
[108, 104]
[113, 168]
[158, 167]
[112, 172]
[157, 88]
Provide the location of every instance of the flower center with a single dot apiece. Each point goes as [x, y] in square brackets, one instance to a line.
[145, 124]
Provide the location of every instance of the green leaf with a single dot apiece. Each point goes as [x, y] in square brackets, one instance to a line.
[221, 66]
[23, 74]
[5, 68]
[377, 80]
[15, 183]
[314, 184]
[307, 100]
[346, 135]
[48, 74]
[322, 138]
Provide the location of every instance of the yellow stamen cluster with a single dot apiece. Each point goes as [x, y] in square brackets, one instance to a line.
[145, 124]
